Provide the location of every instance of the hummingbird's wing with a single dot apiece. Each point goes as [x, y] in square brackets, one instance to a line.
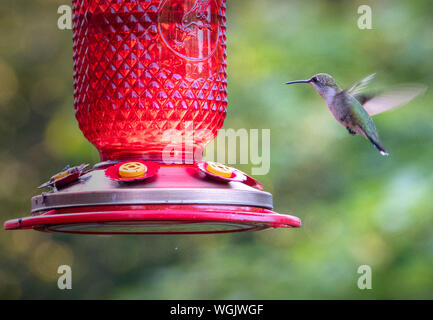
[359, 86]
[390, 99]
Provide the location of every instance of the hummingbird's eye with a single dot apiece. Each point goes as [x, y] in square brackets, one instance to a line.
[314, 79]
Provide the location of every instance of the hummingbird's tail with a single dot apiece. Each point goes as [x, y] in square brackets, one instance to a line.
[378, 146]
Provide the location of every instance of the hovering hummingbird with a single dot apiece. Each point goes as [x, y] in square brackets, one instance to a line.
[353, 109]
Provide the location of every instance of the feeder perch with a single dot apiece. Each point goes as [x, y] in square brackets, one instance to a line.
[150, 92]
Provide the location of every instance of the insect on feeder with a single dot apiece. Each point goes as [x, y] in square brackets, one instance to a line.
[150, 94]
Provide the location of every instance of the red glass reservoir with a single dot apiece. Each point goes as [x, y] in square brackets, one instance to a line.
[149, 75]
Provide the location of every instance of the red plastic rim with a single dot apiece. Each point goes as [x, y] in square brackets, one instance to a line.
[155, 219]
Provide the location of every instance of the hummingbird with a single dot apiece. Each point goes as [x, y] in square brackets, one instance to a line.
[354, 109]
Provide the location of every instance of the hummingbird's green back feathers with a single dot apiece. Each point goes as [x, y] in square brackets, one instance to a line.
[360, 122]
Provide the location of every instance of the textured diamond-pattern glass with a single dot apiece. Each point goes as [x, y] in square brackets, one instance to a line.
[149, 75]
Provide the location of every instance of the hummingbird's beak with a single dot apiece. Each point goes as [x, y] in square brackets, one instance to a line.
[299, 81]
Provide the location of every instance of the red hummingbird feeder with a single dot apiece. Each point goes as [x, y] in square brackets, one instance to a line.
[150, 94]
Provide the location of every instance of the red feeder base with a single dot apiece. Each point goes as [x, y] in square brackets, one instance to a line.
[173, 199]
[155, 219]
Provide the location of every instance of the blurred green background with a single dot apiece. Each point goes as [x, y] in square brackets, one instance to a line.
[357, 207]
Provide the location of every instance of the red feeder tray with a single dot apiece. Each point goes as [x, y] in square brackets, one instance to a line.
[155, 219]
[179, 200]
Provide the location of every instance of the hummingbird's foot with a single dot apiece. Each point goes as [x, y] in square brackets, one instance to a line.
[351, 131]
